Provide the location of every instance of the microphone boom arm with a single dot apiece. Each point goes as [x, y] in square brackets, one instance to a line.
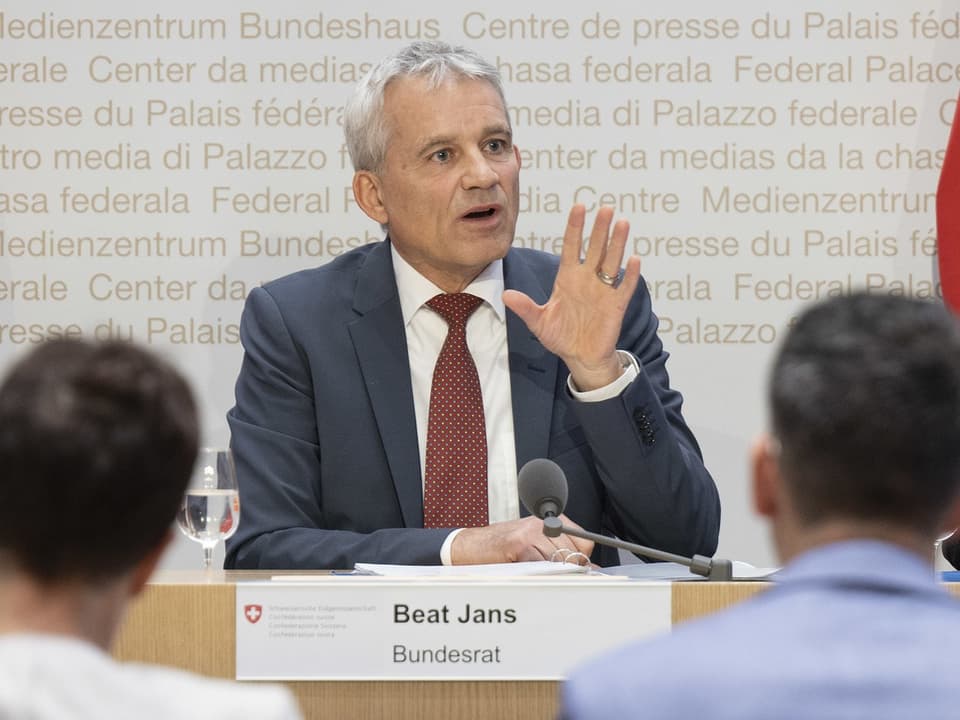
[710, 568]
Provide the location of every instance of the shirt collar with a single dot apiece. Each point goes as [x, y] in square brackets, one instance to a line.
[859, 561]
[414, 289]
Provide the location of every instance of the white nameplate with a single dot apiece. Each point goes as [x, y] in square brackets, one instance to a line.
[348, 628]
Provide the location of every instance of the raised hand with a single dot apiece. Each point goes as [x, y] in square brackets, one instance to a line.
[581, 320]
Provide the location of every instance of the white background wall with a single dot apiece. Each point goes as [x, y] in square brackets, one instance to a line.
[574, 95]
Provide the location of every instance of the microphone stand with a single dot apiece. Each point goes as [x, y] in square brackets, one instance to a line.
[710, 568]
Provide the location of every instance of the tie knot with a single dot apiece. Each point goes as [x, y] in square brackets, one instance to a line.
[455, 307]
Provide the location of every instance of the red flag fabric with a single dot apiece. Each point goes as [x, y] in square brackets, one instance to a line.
[948, 218]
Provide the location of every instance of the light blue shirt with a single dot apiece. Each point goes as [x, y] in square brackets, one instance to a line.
[850, 630]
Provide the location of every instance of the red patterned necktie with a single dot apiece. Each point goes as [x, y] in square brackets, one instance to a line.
[455, 485]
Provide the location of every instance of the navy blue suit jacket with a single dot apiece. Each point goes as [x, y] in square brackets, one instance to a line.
[325, 438]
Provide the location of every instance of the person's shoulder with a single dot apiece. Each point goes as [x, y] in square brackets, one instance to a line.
[657, 672]
[214, 698]
[322, 276]
[617, 682]
[51, 676]
[536, 260]
[525, 268]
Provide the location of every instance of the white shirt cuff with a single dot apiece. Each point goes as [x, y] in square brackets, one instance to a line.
[631, 369]
[445, 558]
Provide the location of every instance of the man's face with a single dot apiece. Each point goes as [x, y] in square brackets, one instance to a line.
[448, 189]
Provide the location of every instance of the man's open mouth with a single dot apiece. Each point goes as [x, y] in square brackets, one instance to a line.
[480, 214]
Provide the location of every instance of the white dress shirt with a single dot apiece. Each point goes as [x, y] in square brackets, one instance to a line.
[426, 331]
[58, 677]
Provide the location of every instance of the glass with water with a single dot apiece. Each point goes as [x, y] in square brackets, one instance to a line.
[939, 562]
[210, 509]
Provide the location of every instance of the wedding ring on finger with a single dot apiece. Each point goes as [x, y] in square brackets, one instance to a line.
[571, 557]
[611, 280]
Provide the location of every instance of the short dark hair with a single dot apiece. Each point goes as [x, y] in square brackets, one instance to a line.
[865, 401]
[97, 442]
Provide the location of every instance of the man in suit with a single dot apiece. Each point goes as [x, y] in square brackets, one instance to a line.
[97, 442]
[333, 428]
[859, 476]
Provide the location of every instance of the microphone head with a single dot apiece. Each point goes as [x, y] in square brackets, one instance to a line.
[543, 487]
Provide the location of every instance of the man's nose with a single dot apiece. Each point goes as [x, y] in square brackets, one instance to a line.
[478, 172]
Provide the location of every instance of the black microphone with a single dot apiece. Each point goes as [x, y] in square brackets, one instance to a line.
[543, 488]
[543, 491]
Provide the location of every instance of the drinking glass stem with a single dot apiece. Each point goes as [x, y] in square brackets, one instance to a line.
[207, 557]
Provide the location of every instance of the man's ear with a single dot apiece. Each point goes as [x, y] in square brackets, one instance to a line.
[516, 153]
[767, 482]
[367, 193]
[144, 569]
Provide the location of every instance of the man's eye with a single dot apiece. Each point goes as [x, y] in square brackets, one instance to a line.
[442, 155]
[496, 146]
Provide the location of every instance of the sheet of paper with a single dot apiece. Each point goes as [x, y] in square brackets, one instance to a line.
[521, 569]
[746, 571]
[676, 571]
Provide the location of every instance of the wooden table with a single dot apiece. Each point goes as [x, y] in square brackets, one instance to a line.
[187, 620]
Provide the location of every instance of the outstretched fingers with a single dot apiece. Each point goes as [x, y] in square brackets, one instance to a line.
[573, 236]
[597, 249]
[615, 247]
[631, 277]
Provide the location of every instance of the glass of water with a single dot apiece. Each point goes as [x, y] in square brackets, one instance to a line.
[210, 509]
[939, 562]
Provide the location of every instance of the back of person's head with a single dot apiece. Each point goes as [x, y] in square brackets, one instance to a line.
[363, 117]
[97, 442]
[865, 402]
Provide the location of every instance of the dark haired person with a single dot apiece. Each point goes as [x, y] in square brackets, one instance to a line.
[342, 447]
[859, 475]
[97, 442]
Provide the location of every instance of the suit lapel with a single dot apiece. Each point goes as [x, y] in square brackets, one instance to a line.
[533, 369]
[381, 346]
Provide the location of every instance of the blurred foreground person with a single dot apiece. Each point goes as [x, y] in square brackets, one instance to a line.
[97, 442]
[858, 477]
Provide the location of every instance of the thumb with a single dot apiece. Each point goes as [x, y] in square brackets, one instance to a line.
[525, 308]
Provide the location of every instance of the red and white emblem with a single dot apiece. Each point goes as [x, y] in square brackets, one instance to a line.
[253, 613]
